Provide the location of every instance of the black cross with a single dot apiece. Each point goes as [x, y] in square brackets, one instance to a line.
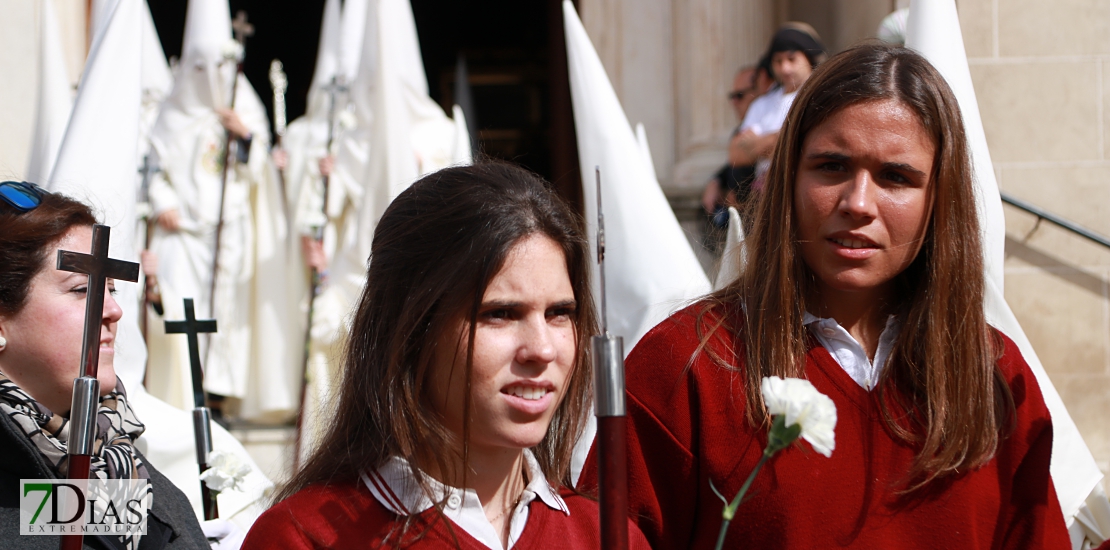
[148, 169]
[191, 327]
[99, 268]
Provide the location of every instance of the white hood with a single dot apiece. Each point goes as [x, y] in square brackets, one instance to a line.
[55, 99]
[327, 61]
[96, 161]
[650, 267]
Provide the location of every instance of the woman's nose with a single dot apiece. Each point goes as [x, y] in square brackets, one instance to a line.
[858, 200]
[537, 345]
[112, 311]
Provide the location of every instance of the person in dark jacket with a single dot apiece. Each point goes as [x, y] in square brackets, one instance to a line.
[42, 312]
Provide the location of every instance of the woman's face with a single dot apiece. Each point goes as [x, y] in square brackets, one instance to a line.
[862, 197]
[43, 354]
[791, 69]
[524, 352]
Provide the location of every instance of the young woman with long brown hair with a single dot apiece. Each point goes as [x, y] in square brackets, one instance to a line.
[466, 380]
[864, 275]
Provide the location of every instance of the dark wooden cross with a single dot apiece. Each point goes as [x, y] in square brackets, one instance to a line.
[202, 424]
[241, 27]
[99, 268]
[148, 169]
[191, 327]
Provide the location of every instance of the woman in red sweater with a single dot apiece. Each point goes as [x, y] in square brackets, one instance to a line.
[465, 384]
[864, 275]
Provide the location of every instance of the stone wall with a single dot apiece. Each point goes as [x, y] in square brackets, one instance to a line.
[1042, 75]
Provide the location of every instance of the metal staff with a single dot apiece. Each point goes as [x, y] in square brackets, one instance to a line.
[280, 84]
[242, 31]
[148, 169]
[612, 431]
[202, 416]
[337, 86]
[86, 388]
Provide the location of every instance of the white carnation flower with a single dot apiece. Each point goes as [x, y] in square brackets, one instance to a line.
[802, 404]
[225, 471]
[347, 120]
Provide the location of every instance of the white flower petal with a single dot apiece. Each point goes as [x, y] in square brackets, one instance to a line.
[802, 404]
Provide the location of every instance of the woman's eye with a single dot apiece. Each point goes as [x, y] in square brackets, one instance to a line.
[497, 314]
[830, 167]
[895, 177]
[561, 312]
[79, 289]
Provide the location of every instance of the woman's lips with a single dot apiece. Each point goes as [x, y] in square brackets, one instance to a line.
[531, 397]
[853, 247]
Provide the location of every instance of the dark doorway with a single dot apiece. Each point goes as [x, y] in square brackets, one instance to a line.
[514, 50]
[288, 30]
[516, 58]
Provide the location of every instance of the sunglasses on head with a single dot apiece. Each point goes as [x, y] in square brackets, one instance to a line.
[21, 195]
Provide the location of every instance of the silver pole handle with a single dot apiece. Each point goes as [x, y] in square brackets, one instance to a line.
[609, 375]
[82, 415]
[202, 433]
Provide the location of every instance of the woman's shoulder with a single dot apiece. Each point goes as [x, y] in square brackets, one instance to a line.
[319, 516]
[580, 527]
[683, 327]
[1019, 376]
[689, 332]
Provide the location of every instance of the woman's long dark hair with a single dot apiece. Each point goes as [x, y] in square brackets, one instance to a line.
[435, 250]
[942, 390]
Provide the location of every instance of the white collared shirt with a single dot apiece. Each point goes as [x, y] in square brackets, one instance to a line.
[398, 490]
[847, 352]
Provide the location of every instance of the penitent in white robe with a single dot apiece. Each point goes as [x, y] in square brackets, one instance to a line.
[251, 357]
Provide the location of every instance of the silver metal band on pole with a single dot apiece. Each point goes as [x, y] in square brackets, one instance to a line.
[609, 375]
[82, 415]
[202, 424]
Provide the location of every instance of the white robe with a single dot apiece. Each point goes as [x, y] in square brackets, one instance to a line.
[252, 356]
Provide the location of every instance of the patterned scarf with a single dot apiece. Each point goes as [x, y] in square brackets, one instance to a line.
[117, 427]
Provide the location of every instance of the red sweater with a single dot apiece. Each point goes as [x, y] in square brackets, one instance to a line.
[348, 516]
[687, 427]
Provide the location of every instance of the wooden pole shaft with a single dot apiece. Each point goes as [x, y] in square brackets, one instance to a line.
[613, 481]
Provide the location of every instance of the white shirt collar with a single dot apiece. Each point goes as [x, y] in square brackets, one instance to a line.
[398, 490]
[848, 353]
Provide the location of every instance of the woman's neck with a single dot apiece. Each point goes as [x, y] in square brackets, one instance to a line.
[497, 475]
[863, 314]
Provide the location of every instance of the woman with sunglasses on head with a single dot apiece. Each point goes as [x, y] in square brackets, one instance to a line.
[864, 275]
[466, 380]
[42, 324]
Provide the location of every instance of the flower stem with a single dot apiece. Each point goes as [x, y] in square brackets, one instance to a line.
[730, 510]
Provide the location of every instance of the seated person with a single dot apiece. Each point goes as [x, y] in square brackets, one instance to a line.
[42, 326]
[466, 380]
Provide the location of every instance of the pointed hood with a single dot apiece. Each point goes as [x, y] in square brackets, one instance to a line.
[55, 99]
[933, 30]
[351, 35]
[733, 260]
[96, 161]
[203, 77]
[327, 60]
[157, 79]
[650, 266]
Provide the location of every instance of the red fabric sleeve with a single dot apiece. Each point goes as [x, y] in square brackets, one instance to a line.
[318, 517]
[1033, 518]
[662, 471]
